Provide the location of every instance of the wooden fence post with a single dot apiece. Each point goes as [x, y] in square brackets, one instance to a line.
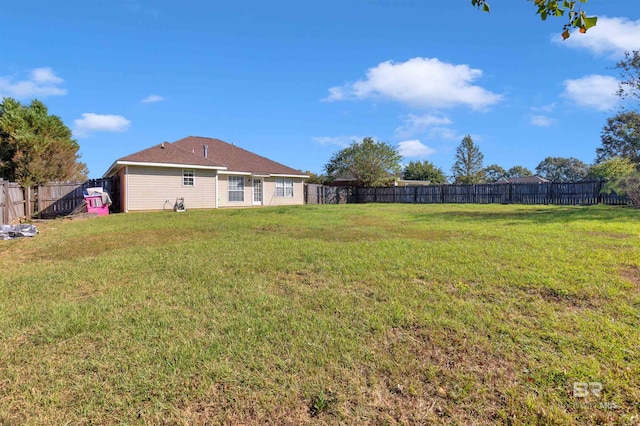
[3, 207]
[38, 201]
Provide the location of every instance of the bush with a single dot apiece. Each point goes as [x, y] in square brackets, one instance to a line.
[630, 186]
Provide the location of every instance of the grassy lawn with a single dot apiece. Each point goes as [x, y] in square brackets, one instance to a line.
[367, 314]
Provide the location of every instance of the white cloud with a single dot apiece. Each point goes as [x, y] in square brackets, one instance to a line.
[341, 141]
[611, 36]
[41, 82]
[547, 109]
[444, 133]
[543, 121]
[416, 124]
[414, 148]
[593, 91]
[90, 123]
[419, 82]
[152, 99]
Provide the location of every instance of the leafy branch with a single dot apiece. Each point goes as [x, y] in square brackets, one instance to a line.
[577, 18]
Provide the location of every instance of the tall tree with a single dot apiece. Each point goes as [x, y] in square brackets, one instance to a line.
[370, 163]
[620, 137]
[519, 171]
[560, 169]
[468, 165]
[630, 71]
[423, 170]
[578, 19]
[494, 173]
[36, 147]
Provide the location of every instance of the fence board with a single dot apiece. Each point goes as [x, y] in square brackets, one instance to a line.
[560, 193]
[62, 198]
[12, 203]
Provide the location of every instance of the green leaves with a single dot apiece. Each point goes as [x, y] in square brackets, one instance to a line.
[423, 170]
[36, 147]
[367, 163]
[545, 8]
[481, 4]
[468, 166]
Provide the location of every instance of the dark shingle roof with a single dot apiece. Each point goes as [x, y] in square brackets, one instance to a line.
[168, 153]
[220, 154]
[236, 159]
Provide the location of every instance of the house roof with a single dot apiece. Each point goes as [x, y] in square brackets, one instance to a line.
[523, 179]
[190, 152]
[234, 158]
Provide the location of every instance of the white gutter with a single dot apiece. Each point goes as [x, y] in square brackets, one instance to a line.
[168, 165]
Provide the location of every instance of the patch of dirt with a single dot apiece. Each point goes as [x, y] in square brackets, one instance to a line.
[609, 235]
[95, 245]
[631, 273]
[432, 376]
[219, 408]
[572, 300]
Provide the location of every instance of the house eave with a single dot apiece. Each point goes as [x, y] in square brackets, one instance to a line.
[289, 176]
[116, 166]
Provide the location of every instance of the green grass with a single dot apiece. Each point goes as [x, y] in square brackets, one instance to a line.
[350, 314]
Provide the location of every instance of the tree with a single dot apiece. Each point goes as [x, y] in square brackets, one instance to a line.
[629, 186]
[519, 171]
[36, 147]
[315, 178]
[630, 69]
[620, 137]
[577, 18]
[423, 170]
[562, 169]
[370, 163]
[611, 169]
[468, 165]
[616, 171]
[494, 173]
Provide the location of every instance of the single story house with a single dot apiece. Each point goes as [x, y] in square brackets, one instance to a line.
[207, 173]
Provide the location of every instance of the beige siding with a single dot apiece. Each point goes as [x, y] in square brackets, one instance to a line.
[149, 187]
[270, 198]
[223, 193]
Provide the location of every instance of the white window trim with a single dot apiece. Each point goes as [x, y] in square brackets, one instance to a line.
[229, 190]
[286, 185]
[192, 177]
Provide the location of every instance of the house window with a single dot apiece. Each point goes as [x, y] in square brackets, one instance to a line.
[188, 177]
[284, 187]
[236, 188]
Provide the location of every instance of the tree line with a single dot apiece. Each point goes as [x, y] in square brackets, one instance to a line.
[376, 163]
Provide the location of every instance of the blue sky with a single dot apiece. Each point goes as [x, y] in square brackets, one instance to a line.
[296, 81]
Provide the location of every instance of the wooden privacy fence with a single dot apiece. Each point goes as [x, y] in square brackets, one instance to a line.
[12, 203]
[585, 193]
[320, 194]
[55, 199]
